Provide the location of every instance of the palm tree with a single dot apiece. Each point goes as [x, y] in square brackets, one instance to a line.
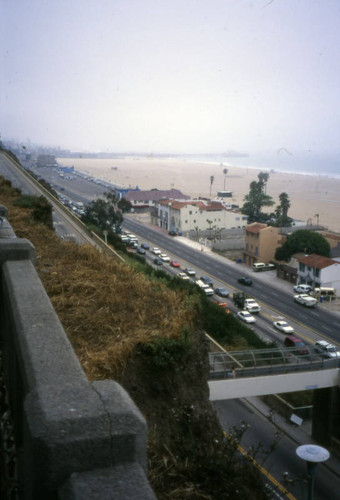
[211, 182]
[225, 171]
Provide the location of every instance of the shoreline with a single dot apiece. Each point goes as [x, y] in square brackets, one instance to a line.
[313, 197]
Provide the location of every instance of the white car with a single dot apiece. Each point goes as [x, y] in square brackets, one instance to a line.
[183, 276]
[156, 251]
[328, 350]
[252, 306]
[164, 257]
[246, 317]
[305, 300]
[283, 327]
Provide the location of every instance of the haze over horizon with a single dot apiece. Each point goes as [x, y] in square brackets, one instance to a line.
[172, 76]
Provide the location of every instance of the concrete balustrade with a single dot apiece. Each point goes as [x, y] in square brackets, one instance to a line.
[75, 439]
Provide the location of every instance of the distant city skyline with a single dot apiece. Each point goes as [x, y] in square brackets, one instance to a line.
[172, 76]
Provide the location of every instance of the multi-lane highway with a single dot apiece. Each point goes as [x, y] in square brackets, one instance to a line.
[275, 303]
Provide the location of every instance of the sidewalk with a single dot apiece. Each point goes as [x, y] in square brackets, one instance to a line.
[300, 434]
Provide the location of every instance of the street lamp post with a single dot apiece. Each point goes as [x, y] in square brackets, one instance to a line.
[313, 455]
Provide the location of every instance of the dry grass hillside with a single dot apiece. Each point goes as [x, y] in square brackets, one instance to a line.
[133, 328]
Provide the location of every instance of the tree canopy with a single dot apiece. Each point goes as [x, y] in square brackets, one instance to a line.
[303, 241]
[281, 211]
[257, 198]
[102, 213]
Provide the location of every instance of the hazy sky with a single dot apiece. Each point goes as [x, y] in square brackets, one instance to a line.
[171, 75]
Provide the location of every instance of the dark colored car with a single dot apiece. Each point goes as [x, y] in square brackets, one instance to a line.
[207, 280]
[141, 251]
[300, 346]
[158, 261]
[245, 281]
[222, 292]
[172, 233]
[145, 246]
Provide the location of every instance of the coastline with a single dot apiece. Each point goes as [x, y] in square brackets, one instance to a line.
[313, 197]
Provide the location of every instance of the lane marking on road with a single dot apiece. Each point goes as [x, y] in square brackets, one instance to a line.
[264, 471]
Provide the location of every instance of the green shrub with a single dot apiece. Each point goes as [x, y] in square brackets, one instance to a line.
[165, 353]
[41, 208]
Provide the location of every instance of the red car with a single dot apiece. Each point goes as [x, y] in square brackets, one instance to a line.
[174, 263]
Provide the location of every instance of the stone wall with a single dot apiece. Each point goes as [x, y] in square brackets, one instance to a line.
[74, 439]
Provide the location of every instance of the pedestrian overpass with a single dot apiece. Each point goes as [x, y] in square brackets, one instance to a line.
[270, 371]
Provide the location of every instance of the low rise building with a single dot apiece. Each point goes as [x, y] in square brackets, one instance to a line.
[197, 215]
[260, 243]
[145, 199]
[319, 271]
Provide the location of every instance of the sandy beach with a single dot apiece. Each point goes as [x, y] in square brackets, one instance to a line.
[313, 198]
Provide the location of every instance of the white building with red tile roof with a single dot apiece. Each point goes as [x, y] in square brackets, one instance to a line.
[149, 198]
[319, 271]
[186, 215]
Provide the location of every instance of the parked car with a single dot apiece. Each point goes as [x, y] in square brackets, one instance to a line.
[156, 251]
[183, 276]
[145, 246]
[207, 280]
[141, 251]
[206, 288]
[246, 317]
[300, 346]
[302, 288]
[164, 257]
[174, 263]
[327, 350]
[158, 261]
[245, 281]
[172, 233]
[283, 327]
[222, 292]
[190, 271]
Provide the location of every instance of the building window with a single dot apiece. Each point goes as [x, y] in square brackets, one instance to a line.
[190, 212]
[302, 267]
[186, 221]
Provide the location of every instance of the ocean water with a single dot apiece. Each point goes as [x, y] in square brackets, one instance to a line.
[281, 161]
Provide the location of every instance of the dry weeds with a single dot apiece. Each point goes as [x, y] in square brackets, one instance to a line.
[106, 307]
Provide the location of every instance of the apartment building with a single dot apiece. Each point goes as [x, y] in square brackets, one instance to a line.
[200, 215]
[260, 243]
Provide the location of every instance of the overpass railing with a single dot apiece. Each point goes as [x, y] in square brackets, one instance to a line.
[75, 439]
[259, 362]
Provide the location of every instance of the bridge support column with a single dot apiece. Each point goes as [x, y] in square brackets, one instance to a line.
[326, 414]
